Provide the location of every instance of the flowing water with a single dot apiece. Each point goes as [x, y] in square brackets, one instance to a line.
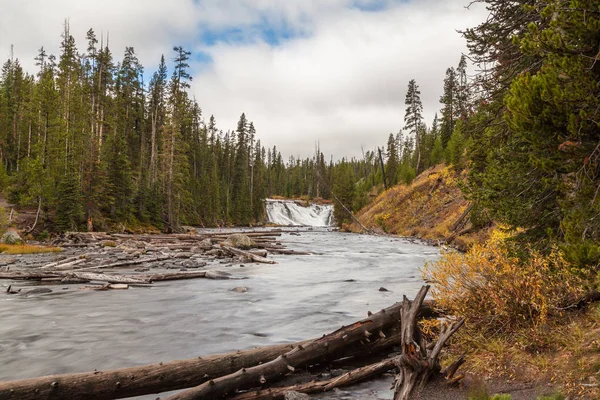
[292, 213]
[301, 297]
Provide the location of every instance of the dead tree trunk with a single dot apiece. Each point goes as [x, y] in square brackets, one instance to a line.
[138, 381]
[417, 362]
[90, 276]
[347, 379]
[252, 256]
[301, 355]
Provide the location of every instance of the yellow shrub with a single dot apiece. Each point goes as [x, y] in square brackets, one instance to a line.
[27, 249]
[497, 291]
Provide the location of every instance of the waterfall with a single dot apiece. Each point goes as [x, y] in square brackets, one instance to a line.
[290, 212]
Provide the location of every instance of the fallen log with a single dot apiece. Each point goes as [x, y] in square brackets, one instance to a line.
[172, 276]
[136, 261]
[90, 276]
[138, 381]
[35, 276]
[247, 254]
[349, 378]
[68, 265]
[313, 352]
[63, 261]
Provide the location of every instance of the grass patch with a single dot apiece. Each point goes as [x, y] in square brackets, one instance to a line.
[27, 249]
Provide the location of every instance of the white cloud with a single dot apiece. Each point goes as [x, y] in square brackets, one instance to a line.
[345, 84]
[341, 81]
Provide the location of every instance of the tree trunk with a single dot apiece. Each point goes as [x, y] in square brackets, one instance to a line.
[138, 381]
[252, 256]
[349, 378]
[90, 276]
[417, 362]
[301, 355]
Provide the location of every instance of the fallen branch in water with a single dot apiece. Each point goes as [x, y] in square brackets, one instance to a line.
[247, 378]
[247, 254]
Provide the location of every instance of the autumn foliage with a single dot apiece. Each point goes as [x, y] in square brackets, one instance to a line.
[499, 291]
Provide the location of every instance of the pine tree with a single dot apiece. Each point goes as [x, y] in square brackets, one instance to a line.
[391, 165]
[449, 99]
[413, 118]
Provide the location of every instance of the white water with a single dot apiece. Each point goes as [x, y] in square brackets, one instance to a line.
[289, 212]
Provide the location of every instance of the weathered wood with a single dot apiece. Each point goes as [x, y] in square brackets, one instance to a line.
[247, 378]
[138, 381]
[68, 265]
[247, 254]
[90, 276]
[172, 276]
[34, 276]
[419, 359]
[61, 262]
[349, 378]
[136, 261]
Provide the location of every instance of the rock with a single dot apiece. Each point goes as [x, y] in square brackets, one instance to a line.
[292, 395]
[11, 236]
[206, 244]
[119, 286]
[217, 275]
[214, 252]
[338, 372]
[193, 264]
[294, 234]
[239, 289]
[239, 241]
[38, 291]
[73, 279]
[382, 289]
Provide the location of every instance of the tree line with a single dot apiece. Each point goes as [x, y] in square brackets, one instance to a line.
[85, 139]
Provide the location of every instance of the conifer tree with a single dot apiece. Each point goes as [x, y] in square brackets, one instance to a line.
[450, 101]
[413, 118]
[391, 165]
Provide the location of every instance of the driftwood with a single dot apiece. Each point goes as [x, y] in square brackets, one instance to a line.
[90, 276]
[247, 378]
[136, 261]
[138, 381]
[349, 378]
[68, 265]
[172, 276]
[247, 254]
[33, 276]
[54, 264]
[419, 359]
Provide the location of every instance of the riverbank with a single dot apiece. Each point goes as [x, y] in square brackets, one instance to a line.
[432, 207]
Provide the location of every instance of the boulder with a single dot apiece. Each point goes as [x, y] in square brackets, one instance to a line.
[11, 236]
[292, 395]
[218, 275]
[240, 241]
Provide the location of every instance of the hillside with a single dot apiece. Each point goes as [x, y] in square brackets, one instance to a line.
[432, 207]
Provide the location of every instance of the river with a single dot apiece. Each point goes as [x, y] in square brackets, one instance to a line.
[299, 298]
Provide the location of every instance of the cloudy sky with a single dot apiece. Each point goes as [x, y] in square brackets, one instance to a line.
[333, 71]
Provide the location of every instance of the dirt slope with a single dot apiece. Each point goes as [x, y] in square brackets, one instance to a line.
[432, 207]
